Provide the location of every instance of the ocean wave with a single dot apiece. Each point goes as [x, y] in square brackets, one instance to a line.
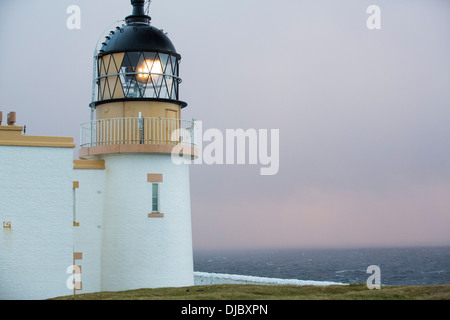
[224, 278]
[342, 271]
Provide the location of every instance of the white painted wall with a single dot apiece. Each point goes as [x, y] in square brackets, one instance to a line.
[36, 196]
[122, 247]
[89, 198]
[142, 252]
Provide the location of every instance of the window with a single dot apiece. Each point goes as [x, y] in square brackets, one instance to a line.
[138, 75]
[155, 197]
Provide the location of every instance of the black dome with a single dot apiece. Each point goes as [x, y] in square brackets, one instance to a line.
[138, 35]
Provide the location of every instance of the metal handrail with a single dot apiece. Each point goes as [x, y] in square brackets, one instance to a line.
[136, 130]
[143, 73]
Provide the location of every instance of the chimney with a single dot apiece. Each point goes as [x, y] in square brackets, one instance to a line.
[11, 118]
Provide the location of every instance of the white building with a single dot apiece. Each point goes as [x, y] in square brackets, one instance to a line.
[119, 217]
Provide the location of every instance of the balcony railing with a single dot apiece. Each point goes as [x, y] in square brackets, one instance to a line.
[137, 131]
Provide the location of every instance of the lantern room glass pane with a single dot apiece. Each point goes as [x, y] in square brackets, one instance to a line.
[118, 90]
[174, 91]
[174, 66]
[117, 58]
[132, 61]
[167, 86]
[101, 88]
[101, 67]
[137, 75]
[164, 62]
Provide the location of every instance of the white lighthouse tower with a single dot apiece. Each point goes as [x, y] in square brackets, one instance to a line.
[132, 214]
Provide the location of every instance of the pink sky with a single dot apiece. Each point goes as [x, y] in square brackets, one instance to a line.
[327, 218]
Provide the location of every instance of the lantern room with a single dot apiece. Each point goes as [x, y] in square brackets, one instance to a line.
[137, 61]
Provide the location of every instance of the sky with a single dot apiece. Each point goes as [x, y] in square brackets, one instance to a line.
[363, 114]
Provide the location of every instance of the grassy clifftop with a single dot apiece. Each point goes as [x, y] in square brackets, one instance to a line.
[272, 292]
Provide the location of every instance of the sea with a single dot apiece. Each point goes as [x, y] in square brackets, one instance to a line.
[397, 266]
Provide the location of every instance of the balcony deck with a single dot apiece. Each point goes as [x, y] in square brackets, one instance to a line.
[136, 135]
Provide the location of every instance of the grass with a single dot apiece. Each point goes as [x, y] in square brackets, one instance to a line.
[273, 292]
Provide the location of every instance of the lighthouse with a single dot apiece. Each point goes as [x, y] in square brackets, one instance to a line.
[132, 216]
[118, 217]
